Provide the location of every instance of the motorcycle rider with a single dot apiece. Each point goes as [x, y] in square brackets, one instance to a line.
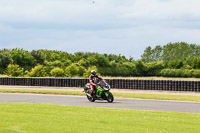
[92, 78]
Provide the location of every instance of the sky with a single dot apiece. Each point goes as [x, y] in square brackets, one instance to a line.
[123, 27]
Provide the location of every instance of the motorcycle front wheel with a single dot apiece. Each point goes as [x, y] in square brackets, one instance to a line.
[110, 97]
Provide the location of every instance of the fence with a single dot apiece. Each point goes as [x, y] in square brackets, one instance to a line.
[167, 85]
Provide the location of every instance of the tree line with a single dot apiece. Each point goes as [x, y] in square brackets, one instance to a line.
[180, 59]
[171, 60]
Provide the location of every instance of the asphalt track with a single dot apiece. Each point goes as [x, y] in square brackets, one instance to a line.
[154, 105]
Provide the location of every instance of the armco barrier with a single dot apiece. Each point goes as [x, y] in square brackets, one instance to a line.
[167, 85]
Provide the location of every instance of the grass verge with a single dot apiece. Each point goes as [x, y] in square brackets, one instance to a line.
[42, 118]
[155, 78]
[173, 97]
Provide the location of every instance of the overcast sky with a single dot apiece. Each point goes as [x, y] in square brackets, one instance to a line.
[123, 27]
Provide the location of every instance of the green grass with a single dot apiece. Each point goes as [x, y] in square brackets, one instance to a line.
[173, 97]
[154, 78]
[44, 91]
[43, 118]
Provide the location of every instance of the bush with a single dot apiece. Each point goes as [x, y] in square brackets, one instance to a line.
[154, 68]
[106, 70]
[57, 72]
[2, 70]
[141, 68]
[167, 73]
[180, 73]
[175, 64]
[37, 71]
[196, 73]
[72, 70]
[51, 65]
[81, 70]
[14, 70]
[87, 72]
[187, 73]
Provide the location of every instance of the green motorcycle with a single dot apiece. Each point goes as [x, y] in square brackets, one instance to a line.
[102, 92]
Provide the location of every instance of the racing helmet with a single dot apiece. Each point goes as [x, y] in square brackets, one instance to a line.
[93, 72]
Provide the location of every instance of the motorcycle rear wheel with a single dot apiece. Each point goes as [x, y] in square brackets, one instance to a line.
[91, 99]
[110, 97]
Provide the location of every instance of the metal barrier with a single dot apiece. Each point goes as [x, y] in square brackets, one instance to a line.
[167, 85]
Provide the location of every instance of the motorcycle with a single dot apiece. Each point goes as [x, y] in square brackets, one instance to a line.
[102, 92]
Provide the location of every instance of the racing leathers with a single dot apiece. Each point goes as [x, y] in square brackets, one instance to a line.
[92, 79]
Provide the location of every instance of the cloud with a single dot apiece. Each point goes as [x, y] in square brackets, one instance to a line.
[163, 9]
[84, 12]
[106, 26]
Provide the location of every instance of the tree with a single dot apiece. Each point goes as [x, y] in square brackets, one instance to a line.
[157, 53]
[83, 62]
[53, 55]
[179, 50]
[5, 59]
[147, 56]
[101, 61]
[22, 57]
[39, 56]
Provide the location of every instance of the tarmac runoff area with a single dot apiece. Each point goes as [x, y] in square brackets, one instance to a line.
[122, 103]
